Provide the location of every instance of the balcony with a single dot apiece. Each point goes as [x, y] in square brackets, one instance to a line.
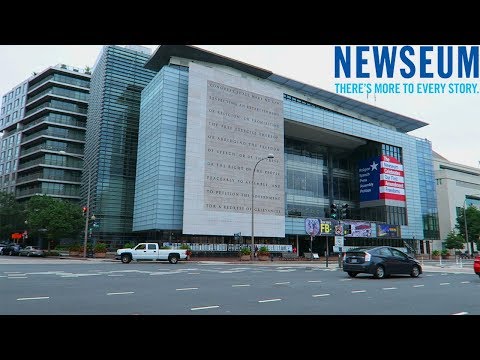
[70, 94]
[57, 105]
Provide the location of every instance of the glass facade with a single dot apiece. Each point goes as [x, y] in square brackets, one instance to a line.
[318, 172]
[111, 140]
[428, 195]
[160, 183]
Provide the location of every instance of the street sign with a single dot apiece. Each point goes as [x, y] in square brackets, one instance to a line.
[339, 241]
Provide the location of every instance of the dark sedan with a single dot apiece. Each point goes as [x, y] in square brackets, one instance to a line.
[11, 249]
[380, 261]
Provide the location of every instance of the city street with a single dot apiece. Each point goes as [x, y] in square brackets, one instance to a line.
[73, 287]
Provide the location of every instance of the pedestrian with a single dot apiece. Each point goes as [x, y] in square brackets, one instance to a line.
[294, 250]
[256, 251]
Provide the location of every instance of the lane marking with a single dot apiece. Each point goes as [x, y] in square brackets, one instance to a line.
[192, 288]
[282, 283]
[465, 282]
[205, 307]
[121, 293]
[461, 313]
[444, 283]
[345, 279]
[269, 300]
[390, 288]
[16, 277]
[358, 291]
[115, 275]
[193, 273]
[418, 285]
[239, 285]
[34, 298]
[319, 295]
[314, 281]
[429, 275]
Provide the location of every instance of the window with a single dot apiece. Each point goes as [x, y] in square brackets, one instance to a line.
[16, 103]
[140, 247]
[152, 247]
[15, 115]
[398, 253]
[9, 107]
[385, 252]
[17, 90]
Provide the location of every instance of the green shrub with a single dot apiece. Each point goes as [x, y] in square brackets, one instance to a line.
[436, 252]
[129, 245]
[263, 251]
[185, 247]
[245, 250]
[100, 248]
[52, 253]
[75, 247]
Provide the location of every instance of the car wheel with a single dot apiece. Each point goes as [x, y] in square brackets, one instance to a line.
[352, 274]
[379, 272]
[415, 271]
[173, 259]
[126, 258]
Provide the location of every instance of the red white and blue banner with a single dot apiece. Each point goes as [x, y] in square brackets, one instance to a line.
[392, 184]
[381, 177]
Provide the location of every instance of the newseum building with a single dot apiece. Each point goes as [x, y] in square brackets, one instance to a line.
[324, 170]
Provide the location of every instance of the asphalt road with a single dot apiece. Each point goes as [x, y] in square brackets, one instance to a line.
[187, 288]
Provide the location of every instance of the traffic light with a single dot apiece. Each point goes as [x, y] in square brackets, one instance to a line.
[84, 210]
[333, 211]
[345, 211]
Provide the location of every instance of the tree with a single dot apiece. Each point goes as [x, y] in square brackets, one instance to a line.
[12, 217]
[473, 224]
[53, 218]
[454, 240]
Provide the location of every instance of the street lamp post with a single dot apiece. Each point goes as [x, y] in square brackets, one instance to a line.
[252, 254]
[465, 223]
[85, 237]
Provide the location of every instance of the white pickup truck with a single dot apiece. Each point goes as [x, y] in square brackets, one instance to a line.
[151, 251]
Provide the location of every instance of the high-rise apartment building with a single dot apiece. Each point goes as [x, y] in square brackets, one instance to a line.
[12, 111]
[43, 123]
